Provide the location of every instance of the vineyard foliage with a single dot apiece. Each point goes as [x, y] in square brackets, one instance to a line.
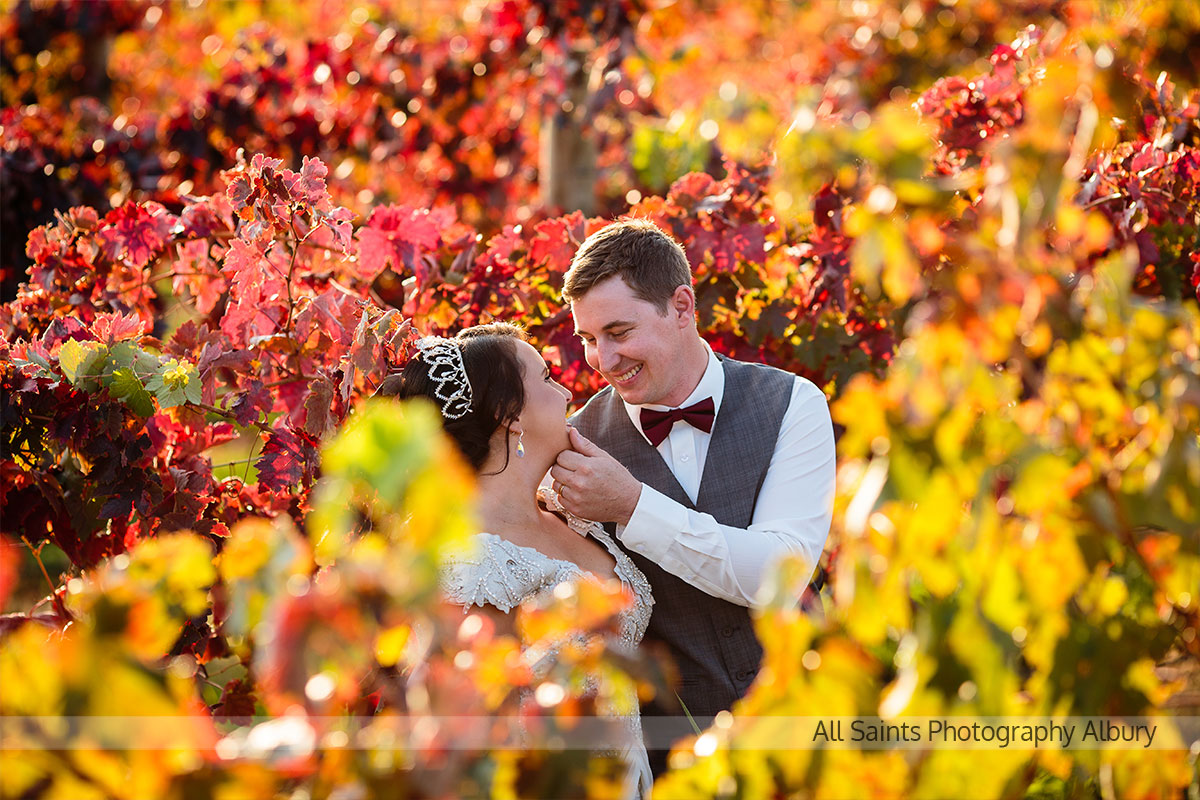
[974, 225]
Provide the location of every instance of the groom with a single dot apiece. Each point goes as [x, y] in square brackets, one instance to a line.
[711, 468]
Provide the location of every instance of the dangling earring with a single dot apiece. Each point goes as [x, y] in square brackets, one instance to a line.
[521, 444]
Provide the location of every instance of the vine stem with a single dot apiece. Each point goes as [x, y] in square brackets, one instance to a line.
[297, 242]
[285, 381]
[1108, 198]
[175, 274]
[37, 556]
[230, 415]
[249, 461]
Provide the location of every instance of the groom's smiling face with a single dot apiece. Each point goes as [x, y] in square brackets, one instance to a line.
[633, 344]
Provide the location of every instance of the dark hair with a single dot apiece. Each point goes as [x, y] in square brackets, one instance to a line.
[489, 355]
[650, 262]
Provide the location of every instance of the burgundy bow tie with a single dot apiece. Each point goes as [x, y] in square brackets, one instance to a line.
[657, 424]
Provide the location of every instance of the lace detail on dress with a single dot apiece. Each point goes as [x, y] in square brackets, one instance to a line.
[500, 573]
[638, 617]
[503, 574]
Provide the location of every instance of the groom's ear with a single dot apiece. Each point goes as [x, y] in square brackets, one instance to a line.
[683, 305]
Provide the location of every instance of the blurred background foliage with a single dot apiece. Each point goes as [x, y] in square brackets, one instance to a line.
[974, 224]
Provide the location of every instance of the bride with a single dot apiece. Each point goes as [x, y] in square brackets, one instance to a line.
[508, 417]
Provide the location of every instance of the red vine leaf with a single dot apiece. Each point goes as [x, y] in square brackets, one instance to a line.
[556, 240]
[135, 233]
[318, 419]
[308, 185]
[252, 404]
[288, 457]
[118, 327]
[396, 236]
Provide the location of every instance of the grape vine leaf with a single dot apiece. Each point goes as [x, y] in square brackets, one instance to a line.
[135, 233]
[287, 458]
[118, 327]
[556, 240]
[124, 385]
[175, 383]
[308, 185]
[318, 419]
[252, 403]
[396, 235]
[80, 362]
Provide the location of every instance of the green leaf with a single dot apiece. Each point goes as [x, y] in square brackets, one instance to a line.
[70, 357]
[175, 383]
[121, 355]
[126, 355]
[125, 385]
[80, 362]
[37, 359]
[169, 397]
[191, 391]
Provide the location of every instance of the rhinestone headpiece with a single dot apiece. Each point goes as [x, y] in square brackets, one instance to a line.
[447, 371]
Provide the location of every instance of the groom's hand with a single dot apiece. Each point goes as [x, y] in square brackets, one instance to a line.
[593, 485]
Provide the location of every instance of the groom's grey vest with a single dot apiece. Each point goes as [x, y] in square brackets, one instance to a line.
[712, 640]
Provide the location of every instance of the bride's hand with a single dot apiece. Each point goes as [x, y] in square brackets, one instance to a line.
[593, 485]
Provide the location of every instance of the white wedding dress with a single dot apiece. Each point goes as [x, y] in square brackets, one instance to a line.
[502, 574]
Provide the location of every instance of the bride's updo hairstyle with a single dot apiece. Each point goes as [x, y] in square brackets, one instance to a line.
[489, 355]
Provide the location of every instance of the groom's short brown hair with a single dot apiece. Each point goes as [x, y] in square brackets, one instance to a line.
[650, 262]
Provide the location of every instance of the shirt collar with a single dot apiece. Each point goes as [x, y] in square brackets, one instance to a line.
[712, 384]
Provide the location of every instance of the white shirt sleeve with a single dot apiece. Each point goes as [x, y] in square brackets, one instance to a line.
[792, 514]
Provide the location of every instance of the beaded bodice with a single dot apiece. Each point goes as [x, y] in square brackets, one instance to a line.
[503, 574]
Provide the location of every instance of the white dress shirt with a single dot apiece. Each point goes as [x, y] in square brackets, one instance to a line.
[792, 514]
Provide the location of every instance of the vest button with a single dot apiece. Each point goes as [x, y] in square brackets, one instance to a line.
[744, 675]
[727, 632]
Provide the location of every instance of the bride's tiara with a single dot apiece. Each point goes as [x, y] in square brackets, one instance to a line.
[448, 372]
